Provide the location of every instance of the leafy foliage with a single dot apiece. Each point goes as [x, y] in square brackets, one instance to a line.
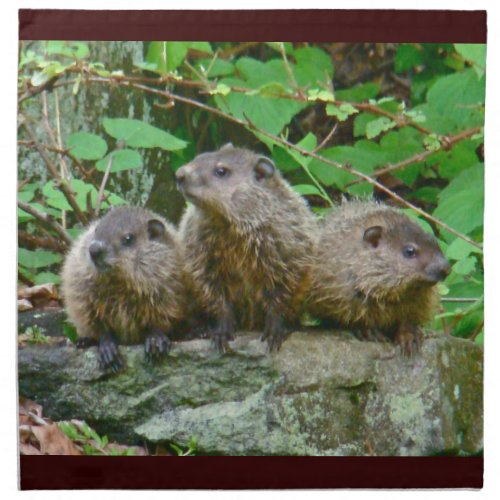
[325, 124]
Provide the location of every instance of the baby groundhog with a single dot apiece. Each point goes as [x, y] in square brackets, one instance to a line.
[123, 282]
[248, 241]
[375, 271]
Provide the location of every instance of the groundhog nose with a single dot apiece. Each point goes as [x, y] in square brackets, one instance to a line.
[180, 176]
[439, 270]
[97, 251]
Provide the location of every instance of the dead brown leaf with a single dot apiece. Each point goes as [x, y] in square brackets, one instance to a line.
[24, 305]
[46, 291]
[53, 441]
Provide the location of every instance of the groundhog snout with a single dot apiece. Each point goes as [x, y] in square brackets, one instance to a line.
[97, 252]
[183, 176]
[438, 269]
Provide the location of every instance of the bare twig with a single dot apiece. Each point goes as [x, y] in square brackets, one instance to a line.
[460, 299]
[45, 219]
[103, 185]
[48, 242]
[63, 185]
[326, 139]
[87, 174]
[289, 71]
[419, 157]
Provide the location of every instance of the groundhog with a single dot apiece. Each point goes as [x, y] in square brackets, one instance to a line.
[122, 282]
[248, 239]
[374, 272]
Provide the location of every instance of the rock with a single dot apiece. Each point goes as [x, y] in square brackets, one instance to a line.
[324, 393]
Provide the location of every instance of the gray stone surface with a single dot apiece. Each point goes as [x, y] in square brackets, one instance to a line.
[324, 393]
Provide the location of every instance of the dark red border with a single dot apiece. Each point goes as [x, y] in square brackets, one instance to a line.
[256, 25]
[57, 472]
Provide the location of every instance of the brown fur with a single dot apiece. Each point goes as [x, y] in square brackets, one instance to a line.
[142, 289]
[248, 240]
[371, 285]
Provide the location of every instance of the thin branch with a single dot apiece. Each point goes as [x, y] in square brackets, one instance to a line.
[460, 299]
[63, 185]
[327, 138]
[87, 174]
[101, 188]
[289, 71]
[48, 242]
[419, 157]
[47, 220]
[400, 120]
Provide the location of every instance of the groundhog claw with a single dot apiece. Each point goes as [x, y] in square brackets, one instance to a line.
[275, 332]
[409, 340]
[221, 342]
[109, 356]
[156, 346]
[84, 342]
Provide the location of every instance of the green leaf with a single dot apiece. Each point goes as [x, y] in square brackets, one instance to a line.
[341, 112]
[268, 113]
[87, 146]
[34, 259]
[320, 95]
[78, 50]
[305, 189]
[55, 197]
[455, 102]
[408, 56]
[25, 196]
[313, 66]
[139, 134]
[376, 127]
[220, 89]
[431, 142]
[364, 156]
[359, 93]
[123, 159]
[167, 56]
[465, 266]
[461, 203]
[47, 277]
[220, 67]
[475, 53]
[459, 249]
[462, 156]
[361, 121]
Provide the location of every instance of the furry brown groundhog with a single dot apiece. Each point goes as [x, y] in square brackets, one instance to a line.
[123, 282]
[375, 271]
[248, 241]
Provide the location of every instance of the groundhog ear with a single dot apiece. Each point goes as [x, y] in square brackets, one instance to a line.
[372, 235]
[156, 229]
[264, 168]
[229, 145]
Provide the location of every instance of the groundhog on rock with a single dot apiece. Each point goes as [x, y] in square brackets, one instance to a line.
[374, 272]
[248, 241]
[122, 282]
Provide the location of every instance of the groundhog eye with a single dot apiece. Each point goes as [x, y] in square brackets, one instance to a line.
[128, 240]
[221, 172]
[409, 251]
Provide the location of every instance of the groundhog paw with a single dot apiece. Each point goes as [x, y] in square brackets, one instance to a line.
[275, 332]
[109, 356]
[84, 342]
[220, 342]
[409, 341]
[156, 346]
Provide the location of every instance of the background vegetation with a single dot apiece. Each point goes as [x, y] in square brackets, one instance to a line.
[107, 123]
